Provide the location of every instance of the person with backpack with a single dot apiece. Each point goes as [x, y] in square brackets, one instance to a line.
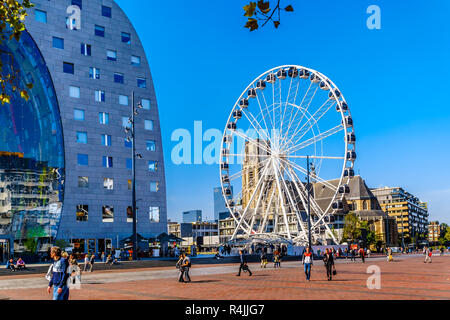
[307, 260]
[60, 275]
[243, 265]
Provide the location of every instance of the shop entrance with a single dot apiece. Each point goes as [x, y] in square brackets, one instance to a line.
[4, 250]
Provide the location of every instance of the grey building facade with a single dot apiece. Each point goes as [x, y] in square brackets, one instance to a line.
[96, 60]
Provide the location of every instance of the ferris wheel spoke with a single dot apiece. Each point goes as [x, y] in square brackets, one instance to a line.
[315, 139]
[293, 204]
[250, 201]
[285, 106]
[267, 211]
[281, 197]
[304, 171]
[267, 109]
[262, 114]
[250, 140]
[250, 230]
[309, 123]
[265, 132]
[314, 205]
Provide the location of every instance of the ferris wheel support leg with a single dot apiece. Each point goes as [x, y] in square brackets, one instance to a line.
[283, 205]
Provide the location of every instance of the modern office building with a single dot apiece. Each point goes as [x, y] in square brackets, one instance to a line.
[65, 169]
[220, 208]
[411, 214]
[192, 216]
[434, 231]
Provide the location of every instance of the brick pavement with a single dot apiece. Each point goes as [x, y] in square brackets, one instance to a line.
[405, 278]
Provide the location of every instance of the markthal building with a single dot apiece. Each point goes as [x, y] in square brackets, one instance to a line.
[65, 155]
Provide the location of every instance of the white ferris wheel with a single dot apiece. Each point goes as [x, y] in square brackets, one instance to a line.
[285, 116]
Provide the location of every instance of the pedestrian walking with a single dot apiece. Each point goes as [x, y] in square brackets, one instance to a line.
[263, 259]
[86, 262]
[102, 257]
[428, 254]
[243, 266]
[329, 263]
[276, 259]
[389, 255]
[186, 264]
[368, 253]
[307, 260]
[91, 262]
[362, 254]
[59, 275]
[352, 254]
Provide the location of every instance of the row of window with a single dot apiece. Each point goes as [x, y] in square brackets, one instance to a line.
[108, 184]
[107, 162]
[86, 50]
[100, 96]
[106, 141]
[94, 73]
[82, 213]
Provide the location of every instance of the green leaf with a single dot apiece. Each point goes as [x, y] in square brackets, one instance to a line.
[289, 8]
[250, 9]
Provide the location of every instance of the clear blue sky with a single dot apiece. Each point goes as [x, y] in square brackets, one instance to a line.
[395, 79]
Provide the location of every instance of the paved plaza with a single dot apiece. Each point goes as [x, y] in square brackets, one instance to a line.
[406, 278]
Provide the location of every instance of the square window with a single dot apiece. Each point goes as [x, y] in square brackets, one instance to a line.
[103, 118]
[78, 114]
[58, 43]
[99, 96]
[154, 186]
[145, 104]
[99, 31]
[142, 83]
[130, 213]
[111, 55]
[85, 49]
[81, 137]
[123, 100]
[74, 92]
[108, 183]
[107, 162]
[68, 67]
[83, 182]
[78, 3]
[148, 124]
[151, 145]
[129, 163]
[106, 11]
[126, 37]
[127, 143]
[94, 73]
[40, 16]
[82, 159]
[152, 166]
[107, 214]
[106, 140]
[125, 122]
[153, 214]
[118, 77]
[135, 60]
[82, 212]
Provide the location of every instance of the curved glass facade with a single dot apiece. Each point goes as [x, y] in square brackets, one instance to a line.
[31, 148]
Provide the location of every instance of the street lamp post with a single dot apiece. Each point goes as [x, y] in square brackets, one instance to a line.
[133, 168]
[309, 211]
